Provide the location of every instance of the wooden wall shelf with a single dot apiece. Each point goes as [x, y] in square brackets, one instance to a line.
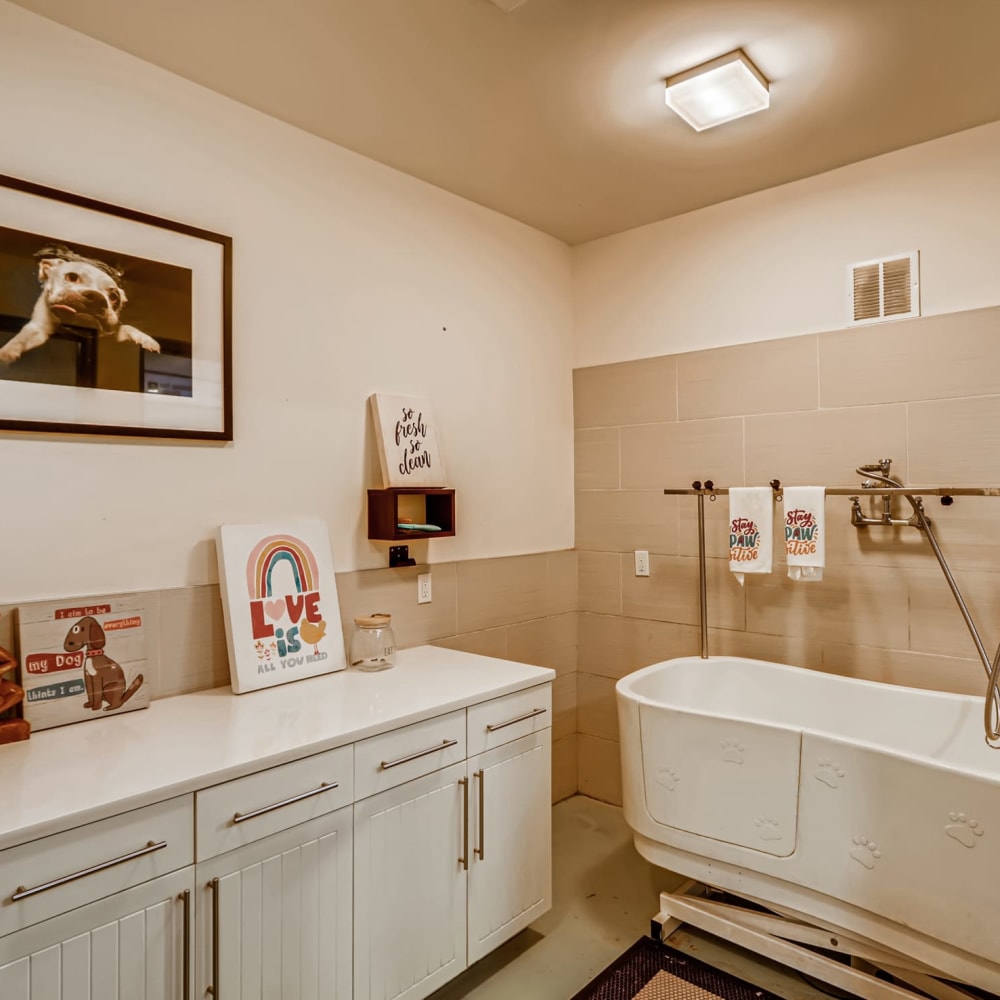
[384, 513]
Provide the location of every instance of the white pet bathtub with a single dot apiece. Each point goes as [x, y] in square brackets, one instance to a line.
[868, 807]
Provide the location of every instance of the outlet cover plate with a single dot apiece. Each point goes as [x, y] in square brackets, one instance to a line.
[423, 588]
[641, 562]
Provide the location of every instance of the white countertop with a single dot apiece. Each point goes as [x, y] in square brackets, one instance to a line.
[79, 773]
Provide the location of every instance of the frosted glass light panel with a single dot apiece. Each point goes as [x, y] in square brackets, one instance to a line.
[718, 91]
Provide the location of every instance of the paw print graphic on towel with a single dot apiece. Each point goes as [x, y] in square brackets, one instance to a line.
[732, 753]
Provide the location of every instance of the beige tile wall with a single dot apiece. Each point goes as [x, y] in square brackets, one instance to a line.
[806, 410]
[520, 608]
[925, 392]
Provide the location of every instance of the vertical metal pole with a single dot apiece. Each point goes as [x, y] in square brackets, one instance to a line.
[702, 576]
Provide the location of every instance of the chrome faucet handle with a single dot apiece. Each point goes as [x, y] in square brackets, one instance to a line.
[883, 465]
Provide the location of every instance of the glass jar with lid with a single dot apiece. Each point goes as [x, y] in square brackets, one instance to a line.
[373, 645]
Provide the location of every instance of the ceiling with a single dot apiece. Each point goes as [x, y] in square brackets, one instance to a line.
[553, 112]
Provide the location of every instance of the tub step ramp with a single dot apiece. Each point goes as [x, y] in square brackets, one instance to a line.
[787, 938]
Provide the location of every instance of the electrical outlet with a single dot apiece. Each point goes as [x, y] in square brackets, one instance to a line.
[423, 588]
[641, 562]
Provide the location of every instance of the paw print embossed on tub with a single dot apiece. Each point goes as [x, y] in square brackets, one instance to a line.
[865, 851]
[964, 829]
[829, 772]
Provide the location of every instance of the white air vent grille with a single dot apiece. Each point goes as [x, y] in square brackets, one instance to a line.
[884, 289]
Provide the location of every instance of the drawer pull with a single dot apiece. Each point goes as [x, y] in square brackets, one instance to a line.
[23, 893]
[443, 745]
[481, 849]
[494, 726]
[212, 990]
[464, 859]
[186, 948]
[325, 787]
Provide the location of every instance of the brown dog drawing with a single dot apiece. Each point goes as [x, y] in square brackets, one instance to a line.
[105, 679]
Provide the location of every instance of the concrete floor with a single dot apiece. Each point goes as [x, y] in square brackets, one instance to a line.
[604, 895]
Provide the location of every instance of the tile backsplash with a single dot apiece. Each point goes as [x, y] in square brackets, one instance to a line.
[806, 410]
[802, 410]
[521, 608]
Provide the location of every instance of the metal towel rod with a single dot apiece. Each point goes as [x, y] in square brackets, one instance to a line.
[709, 489]
[946, 494]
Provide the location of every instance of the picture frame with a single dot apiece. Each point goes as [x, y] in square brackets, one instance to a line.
[112, 321]
[279, 603]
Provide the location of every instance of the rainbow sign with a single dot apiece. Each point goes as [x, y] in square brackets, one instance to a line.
[275, 613]
[271, 551]
[279, 589]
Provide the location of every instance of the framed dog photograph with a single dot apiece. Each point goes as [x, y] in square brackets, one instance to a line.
[112, 321]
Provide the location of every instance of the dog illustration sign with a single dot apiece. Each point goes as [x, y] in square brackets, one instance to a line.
[82, 659]
[279, 598]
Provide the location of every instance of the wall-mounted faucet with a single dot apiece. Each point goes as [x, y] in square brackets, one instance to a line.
[878, 474]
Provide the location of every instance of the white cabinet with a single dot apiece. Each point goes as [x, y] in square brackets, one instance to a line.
[510, 874]
[274, 917]
[449, 865]
[134, 943]
[410, 843]
[355, 836]
[274, 882]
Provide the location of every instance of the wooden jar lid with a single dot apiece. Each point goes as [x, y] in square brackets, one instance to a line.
[377, 620]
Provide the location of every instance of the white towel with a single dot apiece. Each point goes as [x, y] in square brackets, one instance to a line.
[751, 529]
[805, 531]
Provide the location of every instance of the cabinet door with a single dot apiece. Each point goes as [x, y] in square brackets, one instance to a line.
[510, 878]
[409, 886]
[131, 944]
[274, 917]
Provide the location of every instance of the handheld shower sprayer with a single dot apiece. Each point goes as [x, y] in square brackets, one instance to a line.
[879, 473]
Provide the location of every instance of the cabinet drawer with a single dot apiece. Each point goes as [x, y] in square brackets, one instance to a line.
[502, 720]
[388, 760]
[78, 866]
[241, 811]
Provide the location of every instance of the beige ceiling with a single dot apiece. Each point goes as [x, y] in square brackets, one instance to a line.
[553, 113]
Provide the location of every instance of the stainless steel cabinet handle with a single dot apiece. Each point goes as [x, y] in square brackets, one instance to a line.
[186, 957]
[493, 727]
[464, 859]
[22, 893]
[443, 745]
[325, 787]
[213, 990]
[481, 849]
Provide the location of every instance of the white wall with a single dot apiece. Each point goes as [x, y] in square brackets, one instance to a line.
[349, 278]
[773, 264]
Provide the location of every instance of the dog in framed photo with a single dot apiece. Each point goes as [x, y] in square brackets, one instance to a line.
[76, 291]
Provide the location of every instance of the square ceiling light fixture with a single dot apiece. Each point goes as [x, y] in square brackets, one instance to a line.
[718, 91]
